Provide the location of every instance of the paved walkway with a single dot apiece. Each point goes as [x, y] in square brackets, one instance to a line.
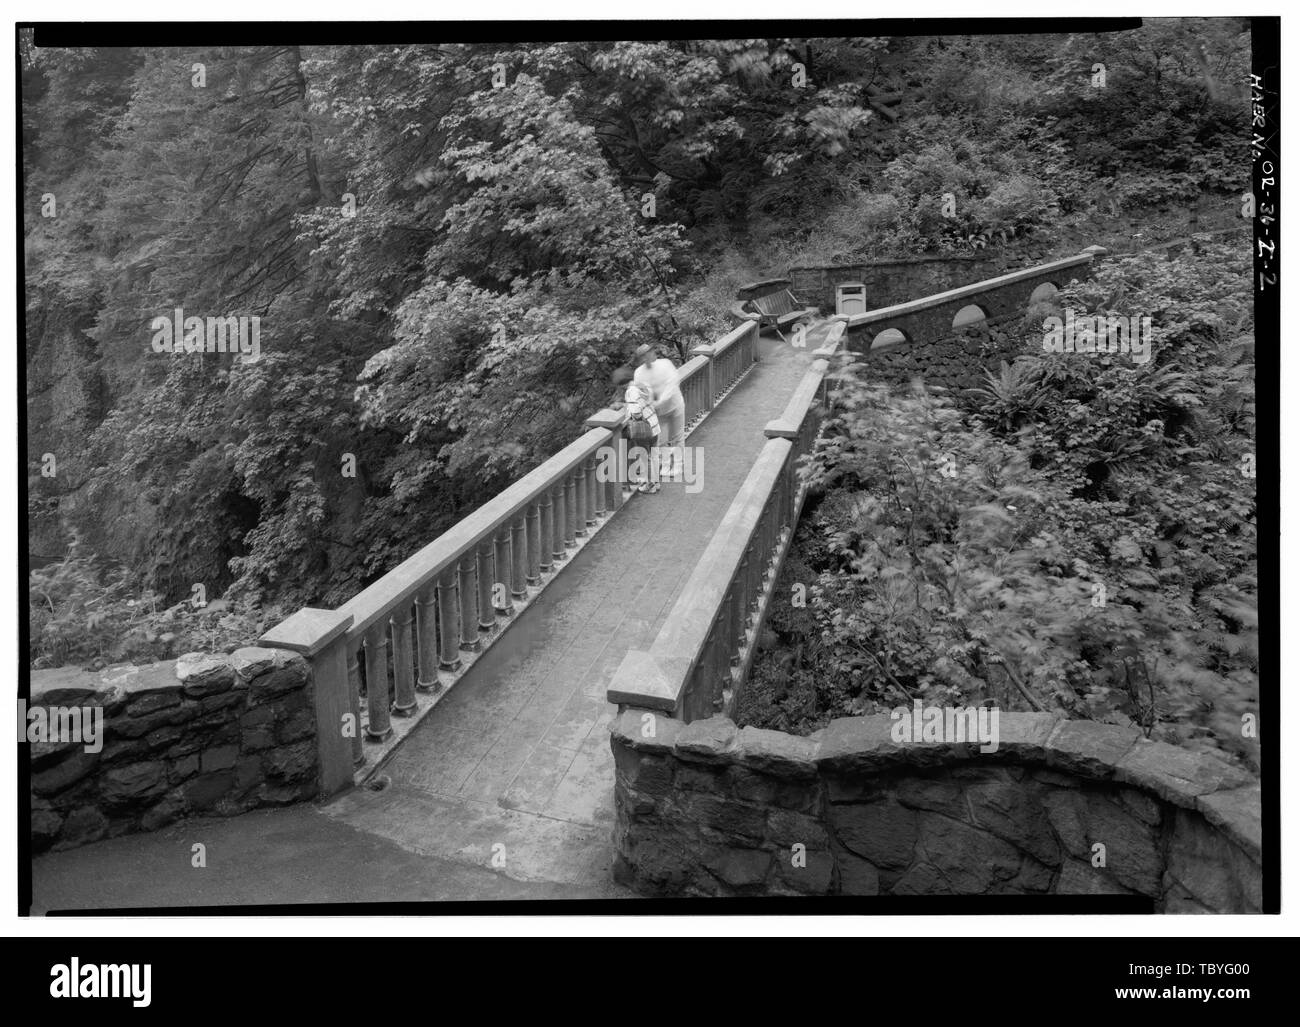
[505, 790]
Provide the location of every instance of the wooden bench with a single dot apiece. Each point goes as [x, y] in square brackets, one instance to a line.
[771, 304]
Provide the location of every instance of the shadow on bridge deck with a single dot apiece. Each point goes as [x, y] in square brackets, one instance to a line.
[505, 790]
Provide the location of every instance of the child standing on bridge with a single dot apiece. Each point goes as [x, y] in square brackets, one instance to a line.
[642, 427]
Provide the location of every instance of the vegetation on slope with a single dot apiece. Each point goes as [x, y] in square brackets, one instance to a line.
[449, 248]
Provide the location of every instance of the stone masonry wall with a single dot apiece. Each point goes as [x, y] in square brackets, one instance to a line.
[900, 279]
[198, 735]
[897, 281]
[956, 363]
[708, 809]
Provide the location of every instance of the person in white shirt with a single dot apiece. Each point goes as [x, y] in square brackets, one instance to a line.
[660, 374]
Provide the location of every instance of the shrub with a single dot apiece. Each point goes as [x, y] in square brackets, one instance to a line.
[82, 613]
[944, 565]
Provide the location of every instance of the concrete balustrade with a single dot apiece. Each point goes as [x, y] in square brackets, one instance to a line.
[696, 385]
[422, 620]
[690, 669]
[729, 359]
[703, 652]
[406, 638]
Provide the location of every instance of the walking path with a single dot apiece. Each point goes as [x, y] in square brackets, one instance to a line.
[505, 790]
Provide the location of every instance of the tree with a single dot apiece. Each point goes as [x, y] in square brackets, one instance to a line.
[542, 277]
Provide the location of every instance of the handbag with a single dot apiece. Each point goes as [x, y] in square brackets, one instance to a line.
[639, 430]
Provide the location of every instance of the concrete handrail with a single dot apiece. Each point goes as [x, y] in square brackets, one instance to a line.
[702, 651]
[404, 581]
[736, 335]
[684, 670]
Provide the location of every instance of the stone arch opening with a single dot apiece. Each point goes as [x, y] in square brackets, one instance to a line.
[888, 339]
[1044, 293]
[970, 314]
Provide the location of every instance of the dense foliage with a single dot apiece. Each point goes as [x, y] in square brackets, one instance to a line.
[450, 247]
[1078, 535]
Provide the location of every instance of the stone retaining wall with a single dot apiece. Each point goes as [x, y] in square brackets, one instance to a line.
[1062, 807]
[894, 280]
[201, 734]
[938, 354]
[898, 280]
[956, 363]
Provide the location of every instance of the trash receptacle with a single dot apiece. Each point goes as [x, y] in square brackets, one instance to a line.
[850, 298]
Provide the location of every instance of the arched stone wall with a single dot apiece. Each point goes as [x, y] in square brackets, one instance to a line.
[972, 313]
[888, 338]
[1044, 292]
[948, 356]
[1061, 807]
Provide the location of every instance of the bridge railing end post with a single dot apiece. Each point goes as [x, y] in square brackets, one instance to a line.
[320, 636]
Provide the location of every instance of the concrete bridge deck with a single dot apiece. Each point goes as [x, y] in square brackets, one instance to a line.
[505, 790]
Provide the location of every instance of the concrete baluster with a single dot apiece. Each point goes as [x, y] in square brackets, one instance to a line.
[504, 561]
[751, 576]
[736, 621]
[487, 620]
[403, 660]
[534, 539]
[773, 522]
[448, 623]
[378, 699]
[358, 747]
[579, 479]
[619, 475]
[467, 592]
[426, 639]
[519, 557]
[546, 533]
[719, 658]
[785, 486]
[598, 488]
[561, 516]
[570, 511]
[589, 491]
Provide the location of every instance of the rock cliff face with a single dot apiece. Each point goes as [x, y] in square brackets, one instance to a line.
[66, 401]
[1062, 807]
[73, 385]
